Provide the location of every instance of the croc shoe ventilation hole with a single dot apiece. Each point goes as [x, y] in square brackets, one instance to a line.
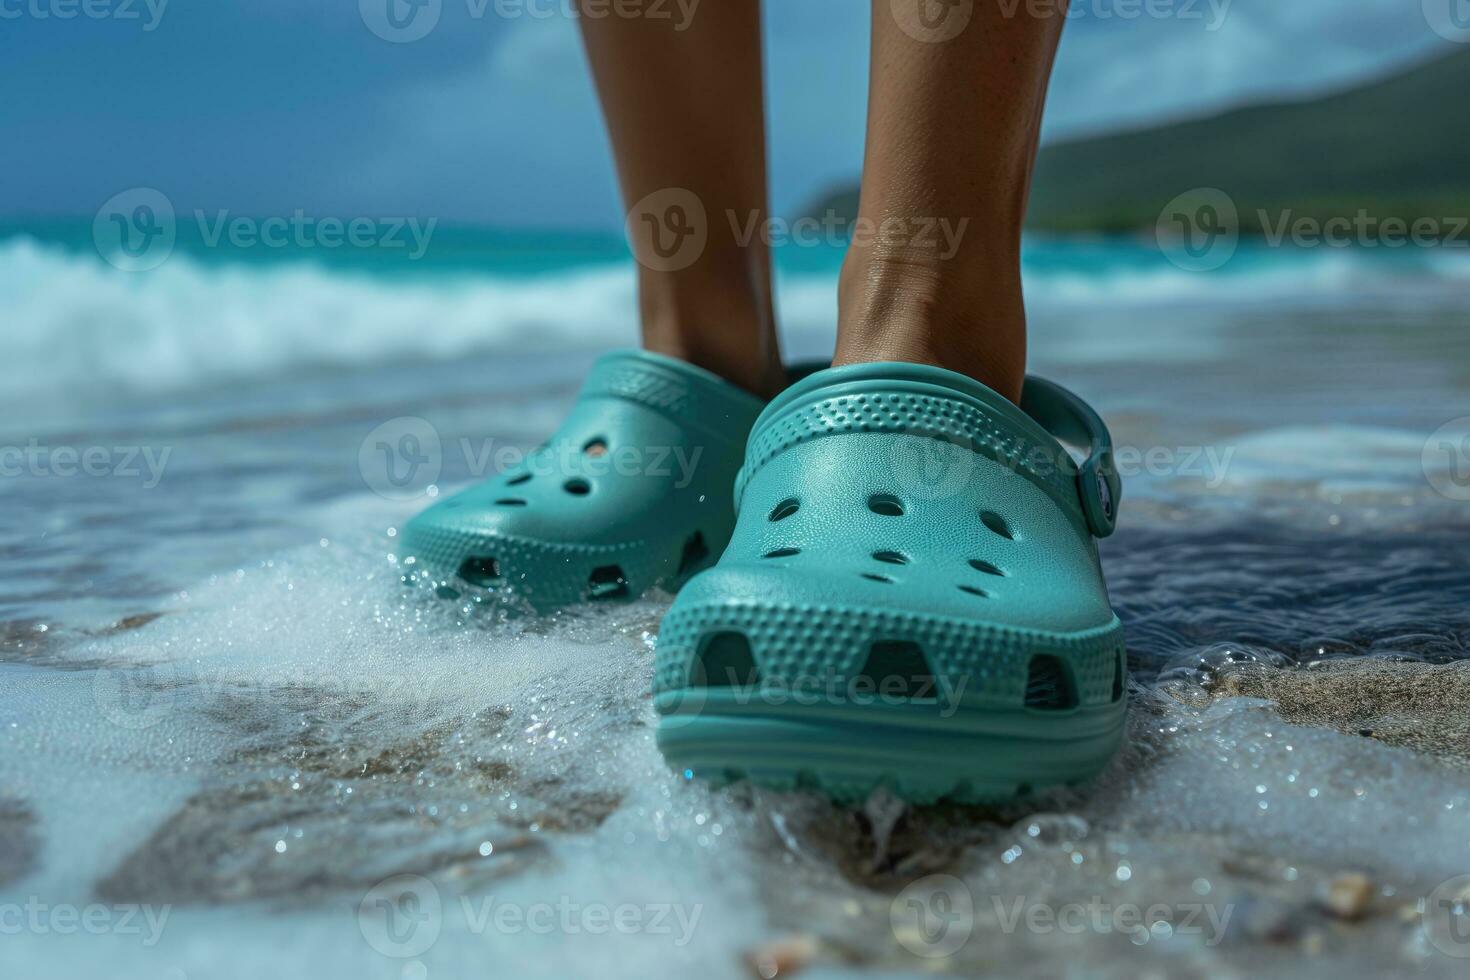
[596, 446]
[724, 660]
[897, 668]
[577, 487]
[981, 565]
[785, 509]
[891, 557]
[696, 552]
[782, 553]
[607, 582]
[517, 480]
[481, 570]
[996, 523]
[885, 505]
[1049, 685]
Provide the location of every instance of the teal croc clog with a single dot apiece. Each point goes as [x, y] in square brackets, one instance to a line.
[632, 491]
[912, 597]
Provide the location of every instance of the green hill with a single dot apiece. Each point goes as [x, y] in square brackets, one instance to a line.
[1397, 147]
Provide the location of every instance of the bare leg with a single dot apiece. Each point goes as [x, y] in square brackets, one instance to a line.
[953, 125]
[685, 110]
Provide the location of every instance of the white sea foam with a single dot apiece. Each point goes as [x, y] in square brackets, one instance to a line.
[72, 320]
[335, 731]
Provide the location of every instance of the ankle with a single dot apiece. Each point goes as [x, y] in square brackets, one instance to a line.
[725, 328]
[903, 311]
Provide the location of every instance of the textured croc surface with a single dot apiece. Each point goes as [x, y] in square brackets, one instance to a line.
[632, 491]
[911, 597]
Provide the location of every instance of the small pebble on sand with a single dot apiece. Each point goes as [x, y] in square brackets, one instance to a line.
[1348, 895]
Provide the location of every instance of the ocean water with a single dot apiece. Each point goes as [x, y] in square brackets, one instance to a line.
[232, 743]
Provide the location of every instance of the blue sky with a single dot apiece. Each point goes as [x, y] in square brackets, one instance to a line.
[267, 106]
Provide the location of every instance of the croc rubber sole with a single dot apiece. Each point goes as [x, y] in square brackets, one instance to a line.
[981, 753]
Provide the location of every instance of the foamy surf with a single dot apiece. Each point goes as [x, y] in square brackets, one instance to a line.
[72, 319]
[305, 756]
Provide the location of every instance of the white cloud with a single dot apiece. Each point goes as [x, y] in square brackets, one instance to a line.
[518, 140]
[1113, 73]
[514, 140]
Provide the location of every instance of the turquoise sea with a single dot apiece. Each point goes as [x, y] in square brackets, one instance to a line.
[220, 709]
